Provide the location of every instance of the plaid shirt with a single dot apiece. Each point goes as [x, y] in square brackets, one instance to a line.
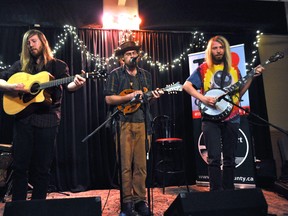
[119, 80]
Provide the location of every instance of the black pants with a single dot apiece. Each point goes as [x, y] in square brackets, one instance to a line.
[33, 151]
[221, 141]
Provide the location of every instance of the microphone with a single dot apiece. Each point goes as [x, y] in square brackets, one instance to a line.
[222, 96]
[135, 99]
[133, 60]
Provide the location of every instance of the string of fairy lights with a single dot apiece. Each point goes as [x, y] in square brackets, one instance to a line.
[254, 53]
[198, 43]
[104, 62]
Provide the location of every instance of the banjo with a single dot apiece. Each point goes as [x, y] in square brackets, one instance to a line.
[223, 106]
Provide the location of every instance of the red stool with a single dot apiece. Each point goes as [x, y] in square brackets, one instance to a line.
[170, 150]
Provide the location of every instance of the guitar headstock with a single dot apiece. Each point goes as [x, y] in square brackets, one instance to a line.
[99, 74]
[275, 57]
[173, 88]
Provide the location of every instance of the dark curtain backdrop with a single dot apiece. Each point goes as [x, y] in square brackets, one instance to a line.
[86, 165]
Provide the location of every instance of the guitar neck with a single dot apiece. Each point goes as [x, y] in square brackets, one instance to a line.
[58, 82]
[242, 81]
[149, 93]
[251, 73]
[173, 88]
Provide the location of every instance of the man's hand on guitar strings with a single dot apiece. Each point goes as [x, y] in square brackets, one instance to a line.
[209, 101]
[157, 93]
[79, 80]
[19, 87]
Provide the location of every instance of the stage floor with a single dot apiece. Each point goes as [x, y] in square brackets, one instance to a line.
[160, 202]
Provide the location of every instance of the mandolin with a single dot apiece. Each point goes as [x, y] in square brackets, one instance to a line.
[131, 107]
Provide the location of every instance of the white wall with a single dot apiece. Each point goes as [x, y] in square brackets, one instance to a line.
[275, 80]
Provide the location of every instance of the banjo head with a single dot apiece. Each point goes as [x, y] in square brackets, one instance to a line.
[222, 108]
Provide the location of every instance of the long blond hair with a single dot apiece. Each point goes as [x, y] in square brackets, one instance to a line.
[227, 60]
[26, 58]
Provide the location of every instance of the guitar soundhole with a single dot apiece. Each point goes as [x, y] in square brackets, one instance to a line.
[35, 88]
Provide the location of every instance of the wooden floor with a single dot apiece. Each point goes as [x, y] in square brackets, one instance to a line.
[160, 202]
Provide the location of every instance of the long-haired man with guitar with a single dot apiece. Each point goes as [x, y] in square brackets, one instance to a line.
[35, 126]
[214, 79]
[127, 90]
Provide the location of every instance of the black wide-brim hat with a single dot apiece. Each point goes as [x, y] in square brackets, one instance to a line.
[124, 47]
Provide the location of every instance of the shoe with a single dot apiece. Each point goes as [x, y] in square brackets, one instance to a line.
[142, 208]
[128, 210]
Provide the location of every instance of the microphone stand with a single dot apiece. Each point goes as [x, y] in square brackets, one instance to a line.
[100, 126]
[114, 115]
[145, 102]
[133, 101]
[257, 116]
[118, 147]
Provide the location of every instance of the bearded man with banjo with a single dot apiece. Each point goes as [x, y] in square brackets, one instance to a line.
[219, 80]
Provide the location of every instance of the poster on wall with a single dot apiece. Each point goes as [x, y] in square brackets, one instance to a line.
[244, 173]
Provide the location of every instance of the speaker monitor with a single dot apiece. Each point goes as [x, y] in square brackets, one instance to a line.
[244, 202]
[90, 206]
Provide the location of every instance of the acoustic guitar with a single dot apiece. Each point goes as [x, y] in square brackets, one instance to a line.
[131, 107]
[16, 103]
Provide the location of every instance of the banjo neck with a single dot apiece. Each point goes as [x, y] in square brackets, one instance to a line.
[252, 72]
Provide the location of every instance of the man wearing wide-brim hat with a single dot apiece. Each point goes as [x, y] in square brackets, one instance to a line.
[125, 46]
[126, 87]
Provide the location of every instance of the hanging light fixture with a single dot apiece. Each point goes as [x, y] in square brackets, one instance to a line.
[121, 14]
